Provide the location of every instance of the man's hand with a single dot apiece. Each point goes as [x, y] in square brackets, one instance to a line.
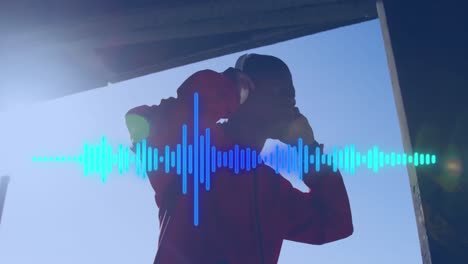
[313, 178]
[299, 128]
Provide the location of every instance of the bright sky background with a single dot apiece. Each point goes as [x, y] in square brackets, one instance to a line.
[54, 215]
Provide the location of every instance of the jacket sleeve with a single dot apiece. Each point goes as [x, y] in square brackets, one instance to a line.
[320, 216]
[153, 121]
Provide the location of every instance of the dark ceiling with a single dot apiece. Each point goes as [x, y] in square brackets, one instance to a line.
[53, 48]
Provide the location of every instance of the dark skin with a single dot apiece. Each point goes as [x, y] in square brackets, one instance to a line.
[263, 116]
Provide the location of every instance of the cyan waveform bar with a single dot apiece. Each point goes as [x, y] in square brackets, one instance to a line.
[201, 159]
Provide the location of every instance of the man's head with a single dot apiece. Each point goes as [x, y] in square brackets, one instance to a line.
[269, 111]
[270, 108]
[270, 75]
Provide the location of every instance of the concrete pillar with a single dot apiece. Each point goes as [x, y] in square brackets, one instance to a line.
[427, 52]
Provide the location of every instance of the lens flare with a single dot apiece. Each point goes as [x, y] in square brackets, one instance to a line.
[454, 167]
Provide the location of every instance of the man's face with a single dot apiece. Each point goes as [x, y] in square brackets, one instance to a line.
[266, 115]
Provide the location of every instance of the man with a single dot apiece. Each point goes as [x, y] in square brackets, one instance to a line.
[245, 218]
[258, 210]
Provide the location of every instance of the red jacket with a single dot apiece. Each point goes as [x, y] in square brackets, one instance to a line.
[244, 218]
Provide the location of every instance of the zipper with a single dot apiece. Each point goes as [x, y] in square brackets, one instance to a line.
[257, 220]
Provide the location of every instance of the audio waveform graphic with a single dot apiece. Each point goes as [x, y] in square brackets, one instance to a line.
[201, 159]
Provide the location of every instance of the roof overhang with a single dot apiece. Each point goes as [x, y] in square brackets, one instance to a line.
[58, 48]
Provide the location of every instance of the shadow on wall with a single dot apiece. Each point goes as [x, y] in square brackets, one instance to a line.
[4, 180]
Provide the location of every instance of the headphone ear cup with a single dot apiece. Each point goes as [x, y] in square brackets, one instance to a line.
[244, 94]
[240, 61]
[245, 85]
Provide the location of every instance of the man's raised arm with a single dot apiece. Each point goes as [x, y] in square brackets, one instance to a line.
[320, 216]
[323, 214]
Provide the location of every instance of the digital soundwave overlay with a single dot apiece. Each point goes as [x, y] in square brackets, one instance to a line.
[201, 159]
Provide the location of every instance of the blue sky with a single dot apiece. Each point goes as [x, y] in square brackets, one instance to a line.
[55, 215]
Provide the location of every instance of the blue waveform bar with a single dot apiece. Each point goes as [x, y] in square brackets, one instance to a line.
[201, 159]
